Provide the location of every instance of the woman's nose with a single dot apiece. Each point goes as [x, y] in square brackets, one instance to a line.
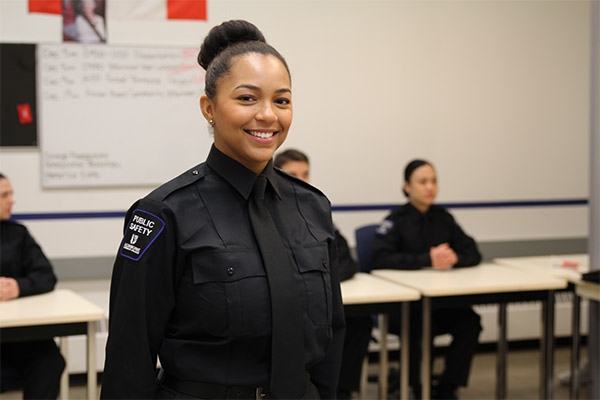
[266, 113]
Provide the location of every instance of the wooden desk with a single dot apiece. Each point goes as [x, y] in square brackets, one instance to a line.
[569, 267]
[485, 283]
[588, 290]
[365, 294]
[551, 265]
[57, 313]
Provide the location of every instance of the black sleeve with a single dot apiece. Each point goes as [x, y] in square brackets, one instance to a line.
[347, 265]
[142, 295]
[36, 275]
[464, 246]
[389, 250]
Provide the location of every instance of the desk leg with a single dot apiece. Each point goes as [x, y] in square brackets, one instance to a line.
[547, 350]
[64, 379]
[91, 360]
[576, 320]
[404, 351]
[364, 378]
[383, 357]
[501, 354]
[426, 350]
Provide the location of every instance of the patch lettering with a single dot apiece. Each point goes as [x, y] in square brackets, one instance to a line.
[141, 232]
[384, 227]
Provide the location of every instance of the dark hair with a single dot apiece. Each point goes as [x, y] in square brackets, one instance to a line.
[2, 176]
[410, 168]
[289, 155]
[226, 41]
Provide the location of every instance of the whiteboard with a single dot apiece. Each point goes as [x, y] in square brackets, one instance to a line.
[116, 116]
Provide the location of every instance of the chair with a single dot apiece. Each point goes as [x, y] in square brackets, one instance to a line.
[365, 235]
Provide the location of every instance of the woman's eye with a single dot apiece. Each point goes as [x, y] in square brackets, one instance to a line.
[283, 101]
[246, 98]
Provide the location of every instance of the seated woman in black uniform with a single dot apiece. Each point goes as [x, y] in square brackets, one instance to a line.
[194, 283]
[421, 234]
[24, 271]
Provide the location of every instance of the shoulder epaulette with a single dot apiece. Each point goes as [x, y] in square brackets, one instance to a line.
[438, 208]
[400, 210]
[299, 181]
[185, 179]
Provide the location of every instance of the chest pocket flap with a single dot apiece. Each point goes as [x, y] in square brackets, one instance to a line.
[226, 266]
[231, 291]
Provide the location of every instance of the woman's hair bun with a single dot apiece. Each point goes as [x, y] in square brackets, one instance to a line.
[224, 35]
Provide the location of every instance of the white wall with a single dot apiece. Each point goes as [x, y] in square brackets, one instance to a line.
[494, 93]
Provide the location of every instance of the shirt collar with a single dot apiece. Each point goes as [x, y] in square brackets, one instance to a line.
[415, 213]
[241, 178]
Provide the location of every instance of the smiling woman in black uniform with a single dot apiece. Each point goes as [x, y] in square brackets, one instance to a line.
[189, 283]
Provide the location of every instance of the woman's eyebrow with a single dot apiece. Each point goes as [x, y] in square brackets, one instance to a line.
[253, 87]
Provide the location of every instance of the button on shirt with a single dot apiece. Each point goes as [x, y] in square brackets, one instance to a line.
[189, 284]
[404, 238]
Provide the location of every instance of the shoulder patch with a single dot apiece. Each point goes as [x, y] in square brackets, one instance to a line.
[141, 232]
[384, 227]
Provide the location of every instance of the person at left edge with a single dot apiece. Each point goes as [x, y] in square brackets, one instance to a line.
[34, 366]
[188, 283]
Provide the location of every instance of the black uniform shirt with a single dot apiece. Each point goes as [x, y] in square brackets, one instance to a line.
[404, 238]
[22, 258]
[189, 284]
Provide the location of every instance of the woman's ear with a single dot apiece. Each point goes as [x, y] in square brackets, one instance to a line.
[206, 106]
[406, 188]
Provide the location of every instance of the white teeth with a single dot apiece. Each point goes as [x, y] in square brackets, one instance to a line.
[262, 135]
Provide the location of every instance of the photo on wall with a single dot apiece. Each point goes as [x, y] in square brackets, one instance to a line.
[18, 122]
[84, 21]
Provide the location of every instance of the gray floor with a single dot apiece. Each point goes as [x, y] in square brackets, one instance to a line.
[522, 376]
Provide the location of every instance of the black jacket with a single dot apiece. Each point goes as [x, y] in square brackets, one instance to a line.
[189, 285]
[404, 238]
[22, 258]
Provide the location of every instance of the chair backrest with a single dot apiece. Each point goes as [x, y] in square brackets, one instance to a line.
[365, 236]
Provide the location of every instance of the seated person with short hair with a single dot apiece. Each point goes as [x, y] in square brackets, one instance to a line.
[358, 329]
[25, 271]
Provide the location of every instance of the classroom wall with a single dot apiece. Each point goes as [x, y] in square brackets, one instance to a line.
[494, 93]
